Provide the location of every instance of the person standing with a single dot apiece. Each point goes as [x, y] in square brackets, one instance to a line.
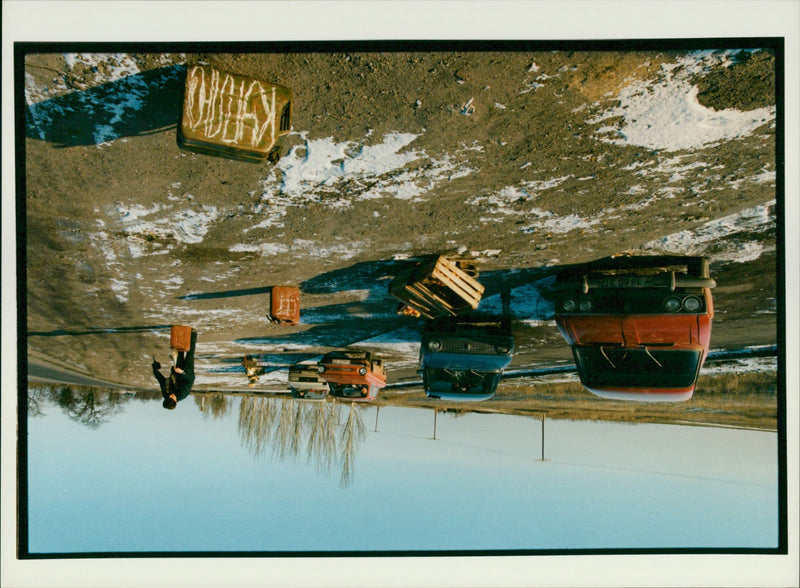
[181, 377]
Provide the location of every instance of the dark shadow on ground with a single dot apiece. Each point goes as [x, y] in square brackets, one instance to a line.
[364, 275]
[227, 293]
[372, 274]
[335, 334]
[140, 104]
[100, 331]
[274, 360]
[498, 281]
[375, 276]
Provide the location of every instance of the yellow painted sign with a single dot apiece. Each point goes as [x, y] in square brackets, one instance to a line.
[233, 115]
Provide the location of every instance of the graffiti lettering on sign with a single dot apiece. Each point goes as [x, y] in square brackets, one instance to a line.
[287, 307]
[229, 109]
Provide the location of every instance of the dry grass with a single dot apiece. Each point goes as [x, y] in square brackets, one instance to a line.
[747, 400]
[744, 400]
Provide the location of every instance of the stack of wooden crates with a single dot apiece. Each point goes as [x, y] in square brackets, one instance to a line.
[438, 286]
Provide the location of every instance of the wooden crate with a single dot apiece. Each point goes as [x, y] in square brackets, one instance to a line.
[438, 286]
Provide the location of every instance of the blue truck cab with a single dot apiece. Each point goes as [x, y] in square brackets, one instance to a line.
[464, 360]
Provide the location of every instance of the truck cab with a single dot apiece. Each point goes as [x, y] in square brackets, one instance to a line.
[306, 382]
[639, 327]
[354, 375]
[464, 360]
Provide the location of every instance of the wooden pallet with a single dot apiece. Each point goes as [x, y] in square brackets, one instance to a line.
[438, 286]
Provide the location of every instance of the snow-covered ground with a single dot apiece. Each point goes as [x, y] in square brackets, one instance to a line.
[661, 114]
[664, 114]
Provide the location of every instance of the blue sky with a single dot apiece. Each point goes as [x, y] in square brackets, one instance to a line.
[156, 480]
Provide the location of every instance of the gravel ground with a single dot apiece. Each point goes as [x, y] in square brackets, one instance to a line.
[522, 160]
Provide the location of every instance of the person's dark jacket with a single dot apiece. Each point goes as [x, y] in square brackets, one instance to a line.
[178, 384]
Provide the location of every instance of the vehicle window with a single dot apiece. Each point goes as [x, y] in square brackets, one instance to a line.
[460, 381]
[651, 368]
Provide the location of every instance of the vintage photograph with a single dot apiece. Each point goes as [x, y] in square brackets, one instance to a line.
[351, 298]
[382, 303]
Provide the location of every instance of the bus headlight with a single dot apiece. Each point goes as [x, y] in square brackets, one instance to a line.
[672, 304]
[692, 304]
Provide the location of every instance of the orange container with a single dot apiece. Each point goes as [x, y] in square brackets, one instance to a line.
[180, 338]
[285, 305]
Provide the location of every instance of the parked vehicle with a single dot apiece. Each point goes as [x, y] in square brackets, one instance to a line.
[252, 369]
[464, 360]
[233, 115]
[306, 382]
[639, 327]
[354, 375]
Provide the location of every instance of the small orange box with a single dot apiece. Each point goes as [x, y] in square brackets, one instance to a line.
[285, 305]
[180, 338]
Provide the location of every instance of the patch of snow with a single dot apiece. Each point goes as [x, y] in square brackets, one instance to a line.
[120, 289]
[171, 283]
[541, 185]
[665, 113]
[115, 66]
[135, 248]
[759, 218]
[742, 252]
[325, 163]
[501, 202]
[674, 169]
[265, 249]
[185, 225]
[742, 366]
[132, 213]
[216, 380]
[558, 224]
[344, 251]
[532, 87]
[765, 177]
[35, 93]
[337, 174]
[102, 242]
[400, 343]
[483, 255]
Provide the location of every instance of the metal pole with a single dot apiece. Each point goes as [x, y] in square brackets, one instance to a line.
[377, 412]
[435, 412]
[542, 458]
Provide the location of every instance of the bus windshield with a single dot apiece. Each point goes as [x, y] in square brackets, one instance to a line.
[461, 381]
[605, 366]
